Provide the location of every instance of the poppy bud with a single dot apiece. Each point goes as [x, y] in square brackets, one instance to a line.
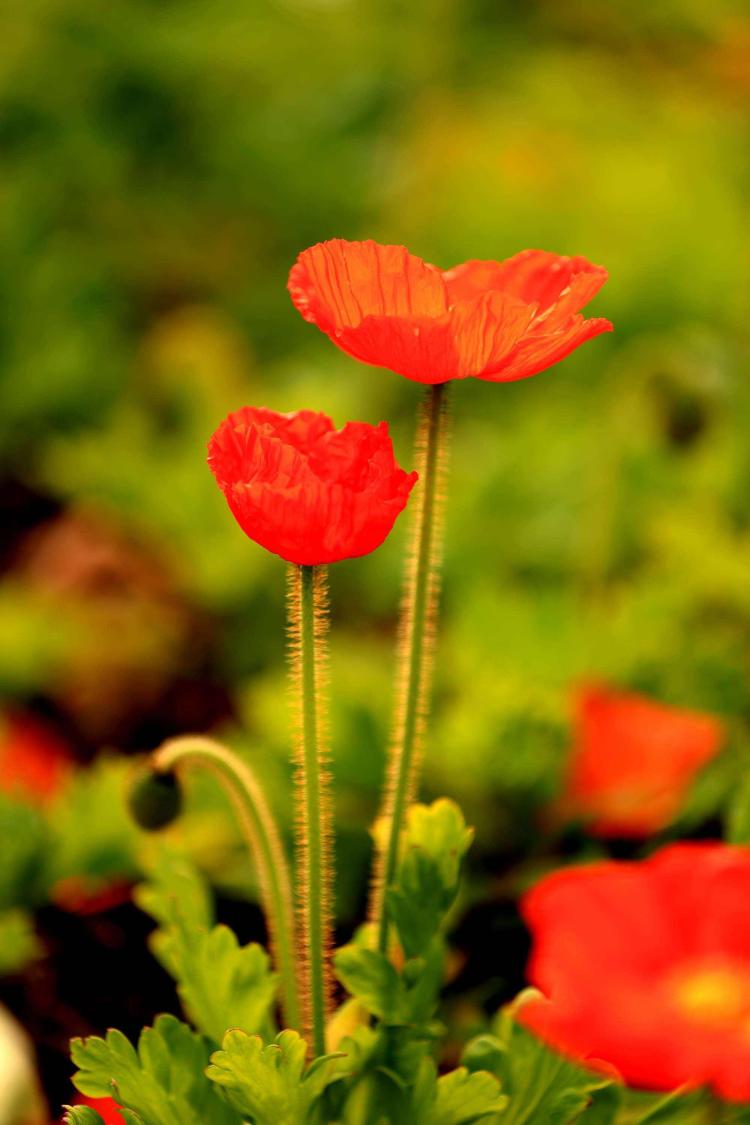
[155, 800]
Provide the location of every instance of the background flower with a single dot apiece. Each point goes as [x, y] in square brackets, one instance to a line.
[499, 321]
[633, 760]
[647, 966]
[305, 490]
[34, 761]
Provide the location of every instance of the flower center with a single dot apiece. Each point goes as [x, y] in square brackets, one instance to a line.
[716, 995]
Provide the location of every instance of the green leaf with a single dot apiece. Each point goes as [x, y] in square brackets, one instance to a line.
[458, 1098]
[163, 1082]
[435, 841]
[81, 1115]
[683, 1108]
[18, 942]
[175, 891]
[85, 1115]
[221, 984]
[270, 1082]
[371, 977]
[484, 1052]
[440, 831]
[543, 1087]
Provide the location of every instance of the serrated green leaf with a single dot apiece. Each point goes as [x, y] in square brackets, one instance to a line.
[220, 983]
[435, 841]
[440, 831]
[176, 894]
[457, 1098]
[270, 1082]
[371, 977]
[81, 1115]
[85, 1115]
[418, 903]
[483, 1052]
[162, 1082]
[543, 1087]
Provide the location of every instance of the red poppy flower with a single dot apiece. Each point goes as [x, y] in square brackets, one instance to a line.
[107, 1108]
[647, 966]
[491, 320]
[33, 760]
[305, 490]
[634, 760]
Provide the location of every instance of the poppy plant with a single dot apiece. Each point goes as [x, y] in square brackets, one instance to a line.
[668, 1003]
[499, 321]
[305, 490]
[313, 495]
[634, 760]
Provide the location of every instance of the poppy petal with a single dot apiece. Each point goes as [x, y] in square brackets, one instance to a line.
[420, 349]
[487, 330]
[337, 284]
[539, 350]
[537, 277]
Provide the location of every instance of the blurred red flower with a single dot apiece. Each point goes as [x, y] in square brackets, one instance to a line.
[34, 762]
[305, 490]
[646, 965]
[634, 760]
[491, 320]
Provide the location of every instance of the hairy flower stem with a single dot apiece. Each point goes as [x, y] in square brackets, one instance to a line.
[308, 658]
[416, 644]
[262, 836]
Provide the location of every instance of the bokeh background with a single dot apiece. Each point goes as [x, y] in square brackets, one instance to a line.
[163, 162]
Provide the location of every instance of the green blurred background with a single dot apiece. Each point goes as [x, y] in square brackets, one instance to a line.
[163, 163]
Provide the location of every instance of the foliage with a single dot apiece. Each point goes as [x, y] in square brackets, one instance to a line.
[162, 1081]
[221, 984]
[271, 1083]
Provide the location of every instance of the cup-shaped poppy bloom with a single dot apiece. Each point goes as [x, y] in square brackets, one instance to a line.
[499, 321]
[305, 490]
[34, 762]
[646, 966]
[634, 760]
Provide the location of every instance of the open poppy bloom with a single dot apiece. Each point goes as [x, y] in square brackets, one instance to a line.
[34, 762]
[499, 321]
[646, 966]
[634, 760]
[305, 490]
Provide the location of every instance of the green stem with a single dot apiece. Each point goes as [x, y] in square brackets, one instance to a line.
[308, 620]
[416, 645]
[262, 836]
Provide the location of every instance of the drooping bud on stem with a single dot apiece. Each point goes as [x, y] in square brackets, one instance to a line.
[155, 799]
[261, 835]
